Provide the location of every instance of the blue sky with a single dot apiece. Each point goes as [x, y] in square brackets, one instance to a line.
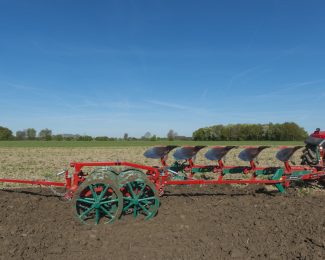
[110, 67]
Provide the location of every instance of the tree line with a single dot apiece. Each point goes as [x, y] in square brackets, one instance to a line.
[287, 131]
[46, 135]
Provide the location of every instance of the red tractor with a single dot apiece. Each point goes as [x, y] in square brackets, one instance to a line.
[313, 154]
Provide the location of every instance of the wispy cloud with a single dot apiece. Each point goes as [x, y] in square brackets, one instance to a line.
[197, 110]
[18, 86]
[167, 104]
[256, 68]
[123, 104]
[242, 74]
[289, 87]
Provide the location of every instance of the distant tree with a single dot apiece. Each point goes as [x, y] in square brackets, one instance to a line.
[291, 131]
[88, 138]
[85, 138]
[258, 132]
[45, 134]
[30, 133]
[57, 137]
[147, 135]
[226, 134]
[101, 138]
[183, 138]
[199, 135]
[274, 132]
[5, 133]
[171, 135]
[126, 136]
[21, 135]
[76, 137]
[153, 138]
[216, 132]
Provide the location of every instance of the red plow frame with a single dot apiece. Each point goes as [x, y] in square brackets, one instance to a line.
[159, 175]
[136, 189]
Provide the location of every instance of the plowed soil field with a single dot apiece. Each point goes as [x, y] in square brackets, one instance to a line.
[192, 223]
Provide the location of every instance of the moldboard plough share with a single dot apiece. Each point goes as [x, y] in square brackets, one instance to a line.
[115, 189]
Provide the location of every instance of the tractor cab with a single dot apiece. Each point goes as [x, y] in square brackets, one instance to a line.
[318, 134]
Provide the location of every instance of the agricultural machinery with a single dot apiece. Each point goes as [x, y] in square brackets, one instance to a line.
[116, 189]
[313, 153]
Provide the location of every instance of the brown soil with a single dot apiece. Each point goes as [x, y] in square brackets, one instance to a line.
[192, 223]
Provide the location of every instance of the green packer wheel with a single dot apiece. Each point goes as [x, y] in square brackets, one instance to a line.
[98, 199]
[140, 197]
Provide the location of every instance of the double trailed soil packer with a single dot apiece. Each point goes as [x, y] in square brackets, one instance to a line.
[110, 192]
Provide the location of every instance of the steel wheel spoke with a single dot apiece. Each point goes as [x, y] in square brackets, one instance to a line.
[108, 201]
[128, 206]
[92, 191]
[85, 201]
[146, 199]
[106, 212]
[97, 216]
[145, 209]
[135, 212]
[142, 189]
[86, 212]
[131, 190]
[83, 207]
[103, 192]
[149, 203]
[89, 199]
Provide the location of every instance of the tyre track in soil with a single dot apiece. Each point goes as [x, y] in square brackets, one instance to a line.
[193, 223]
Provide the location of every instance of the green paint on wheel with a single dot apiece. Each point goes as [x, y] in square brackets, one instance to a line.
[98, 200]
[139, 195]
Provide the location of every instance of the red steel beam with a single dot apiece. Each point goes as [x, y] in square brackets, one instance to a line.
[89, 164]
[35, 182]
[194, 182]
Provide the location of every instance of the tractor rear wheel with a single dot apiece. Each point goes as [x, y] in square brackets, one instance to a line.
[98, 199]
[309, 156]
